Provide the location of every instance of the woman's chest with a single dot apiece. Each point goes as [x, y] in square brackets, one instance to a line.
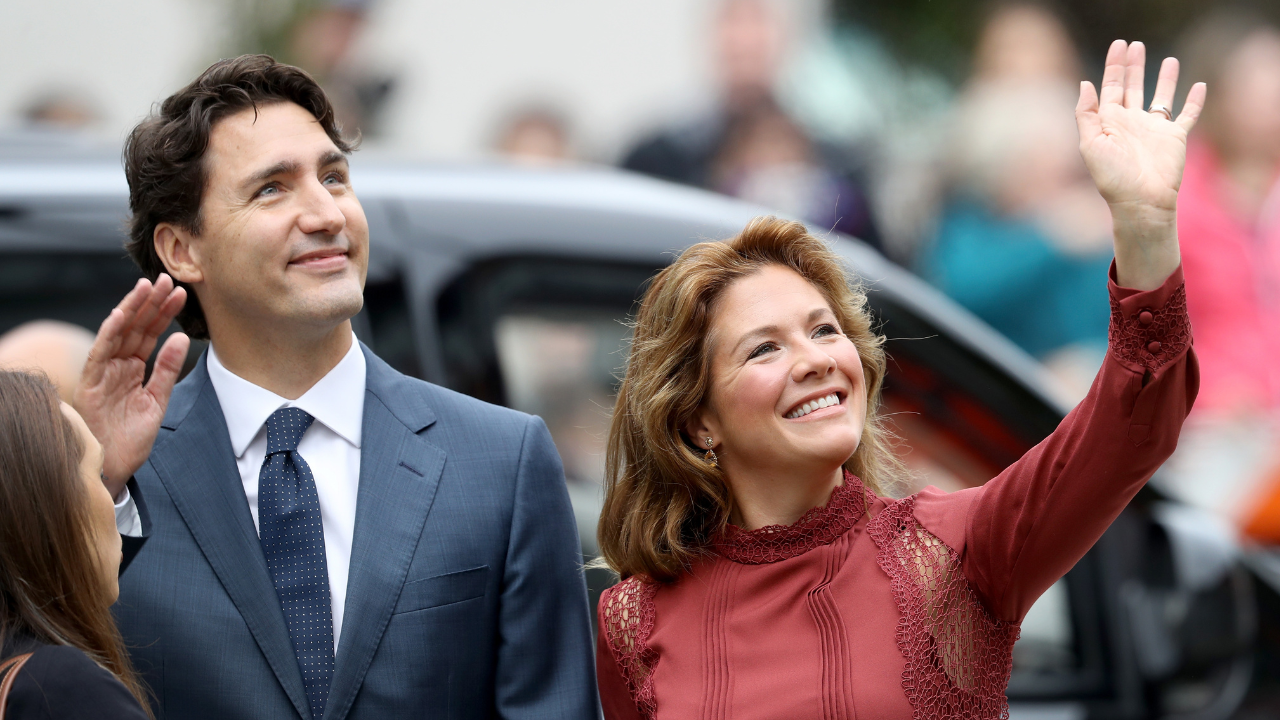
[813, 636]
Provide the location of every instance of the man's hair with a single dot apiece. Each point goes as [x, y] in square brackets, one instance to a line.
[164, 155]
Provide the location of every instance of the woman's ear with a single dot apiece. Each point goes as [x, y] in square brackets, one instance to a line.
[702, 426]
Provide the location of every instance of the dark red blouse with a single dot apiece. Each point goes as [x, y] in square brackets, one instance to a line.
[878, 608]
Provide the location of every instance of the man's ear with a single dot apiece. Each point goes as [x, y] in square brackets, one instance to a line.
[174, 246]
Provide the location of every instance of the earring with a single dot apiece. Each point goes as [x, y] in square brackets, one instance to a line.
[710, 457]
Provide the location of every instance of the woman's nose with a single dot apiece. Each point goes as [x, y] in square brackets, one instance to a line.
[813, 360]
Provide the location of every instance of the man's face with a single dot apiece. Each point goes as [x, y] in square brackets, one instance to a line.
[283, 237]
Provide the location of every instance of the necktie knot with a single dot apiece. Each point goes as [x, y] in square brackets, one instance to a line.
[285, 428]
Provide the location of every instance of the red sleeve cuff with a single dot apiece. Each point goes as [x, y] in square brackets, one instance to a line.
[1149, 329]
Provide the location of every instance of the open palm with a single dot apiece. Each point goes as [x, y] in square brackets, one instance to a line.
[122, 412]
[1136, 157]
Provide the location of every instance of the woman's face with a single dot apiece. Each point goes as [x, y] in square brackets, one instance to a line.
[102, 532]
[787, 390]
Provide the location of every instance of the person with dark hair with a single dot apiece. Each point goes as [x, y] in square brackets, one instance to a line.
[59, 559]
[329, 538]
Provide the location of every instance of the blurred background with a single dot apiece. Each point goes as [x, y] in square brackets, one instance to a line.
[939, 132]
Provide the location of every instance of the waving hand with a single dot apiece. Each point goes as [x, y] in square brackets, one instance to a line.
[123, 413]
[1136, 158]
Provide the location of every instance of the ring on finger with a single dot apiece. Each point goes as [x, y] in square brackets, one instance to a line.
[1162, 110]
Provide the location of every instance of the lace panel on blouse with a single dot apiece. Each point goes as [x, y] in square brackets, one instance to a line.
[1151, 337]
[817, 527]
[628, 621]
[958, 657]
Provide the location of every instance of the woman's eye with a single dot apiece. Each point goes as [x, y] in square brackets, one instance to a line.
[761, 350]
[825, 330]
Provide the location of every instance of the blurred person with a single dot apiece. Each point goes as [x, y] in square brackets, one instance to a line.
[60, 111]
[767, 568]
[60, 558]
[768, 159]
[727, 149]
[1025, 235]
[322, 43]
[1025, 42]
[1229, 222]
[329, 537]
[534, 136]
[56, 348]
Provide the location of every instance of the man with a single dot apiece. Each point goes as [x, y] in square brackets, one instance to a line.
[327, 538]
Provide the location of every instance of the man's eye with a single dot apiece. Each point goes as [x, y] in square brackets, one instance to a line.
[334, 179]
[268, 191]
[761, 350]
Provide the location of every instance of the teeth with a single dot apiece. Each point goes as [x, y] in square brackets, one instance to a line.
[828, 401]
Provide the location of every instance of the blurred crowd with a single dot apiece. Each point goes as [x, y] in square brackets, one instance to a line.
[980, 189]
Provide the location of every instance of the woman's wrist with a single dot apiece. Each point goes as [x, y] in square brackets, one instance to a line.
[1146, 244]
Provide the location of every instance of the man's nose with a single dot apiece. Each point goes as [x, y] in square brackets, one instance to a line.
[320, 213]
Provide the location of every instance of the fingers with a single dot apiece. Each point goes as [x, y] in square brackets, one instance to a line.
[1113, 75]
[168, 364]
[104, 348]
[1166, 84]
[169, 307]
[1192, 107]
[1087, 113]
[1135, 69]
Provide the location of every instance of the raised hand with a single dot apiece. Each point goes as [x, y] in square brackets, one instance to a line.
[121, 412]
[1136, 158]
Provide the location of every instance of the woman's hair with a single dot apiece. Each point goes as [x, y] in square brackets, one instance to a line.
[50, 580]
[663, 502]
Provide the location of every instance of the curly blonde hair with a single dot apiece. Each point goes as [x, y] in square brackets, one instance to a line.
[663, 502]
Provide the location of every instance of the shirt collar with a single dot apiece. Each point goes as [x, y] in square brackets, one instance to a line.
[336, 400]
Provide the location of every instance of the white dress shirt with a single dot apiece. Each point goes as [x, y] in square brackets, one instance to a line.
[331, 447]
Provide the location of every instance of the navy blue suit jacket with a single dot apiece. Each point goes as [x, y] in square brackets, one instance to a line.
[465, 597]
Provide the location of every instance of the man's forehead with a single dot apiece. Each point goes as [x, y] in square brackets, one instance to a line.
[268, 134]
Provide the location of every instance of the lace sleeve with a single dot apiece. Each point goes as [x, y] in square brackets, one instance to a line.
[626, 621]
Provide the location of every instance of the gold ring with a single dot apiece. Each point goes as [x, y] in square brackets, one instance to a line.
[1162, 110]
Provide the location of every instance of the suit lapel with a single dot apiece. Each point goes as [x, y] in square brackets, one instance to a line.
[196, 465]
[399, 474]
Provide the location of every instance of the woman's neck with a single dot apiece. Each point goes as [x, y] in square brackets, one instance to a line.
[761, 499]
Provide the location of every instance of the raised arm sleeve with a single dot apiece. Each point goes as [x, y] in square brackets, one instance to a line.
[544, 654]
[1029, 525]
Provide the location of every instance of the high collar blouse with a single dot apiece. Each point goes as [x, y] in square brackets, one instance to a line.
[879, 608]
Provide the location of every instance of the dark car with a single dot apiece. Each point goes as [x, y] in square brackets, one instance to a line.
[515, 286]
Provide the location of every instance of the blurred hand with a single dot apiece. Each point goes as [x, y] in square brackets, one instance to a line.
[121, 412]
[1136, 159]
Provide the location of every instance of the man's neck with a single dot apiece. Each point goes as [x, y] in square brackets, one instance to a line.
[286, 365]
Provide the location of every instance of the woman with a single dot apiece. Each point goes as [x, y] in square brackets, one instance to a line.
[765, 573]
[60, 556]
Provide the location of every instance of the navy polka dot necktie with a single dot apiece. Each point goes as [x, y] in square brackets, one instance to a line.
[292, 539]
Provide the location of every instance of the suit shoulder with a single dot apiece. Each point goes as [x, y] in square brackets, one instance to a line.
[60, 681]
[453, 408]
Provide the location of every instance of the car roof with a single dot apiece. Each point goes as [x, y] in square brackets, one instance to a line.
[74, 197]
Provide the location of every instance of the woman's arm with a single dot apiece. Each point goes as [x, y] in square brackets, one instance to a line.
[1032, 523]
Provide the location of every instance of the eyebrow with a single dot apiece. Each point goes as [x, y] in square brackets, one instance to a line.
[292, 167]
[814, 314]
